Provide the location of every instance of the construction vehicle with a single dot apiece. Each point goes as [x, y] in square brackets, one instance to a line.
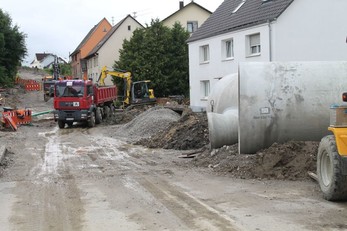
[332, 156]
[135, 93]
[48, 81]
[82, 101]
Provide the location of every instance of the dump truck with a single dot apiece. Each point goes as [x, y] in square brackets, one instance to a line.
[332, 156]
[82, 101]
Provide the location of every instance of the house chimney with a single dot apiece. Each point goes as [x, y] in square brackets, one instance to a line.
[181, 5]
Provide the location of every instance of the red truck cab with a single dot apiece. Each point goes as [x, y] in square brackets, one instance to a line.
[81, 100]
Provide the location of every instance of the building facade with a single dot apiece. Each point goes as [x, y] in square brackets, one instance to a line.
[106, 52]
[263, 31]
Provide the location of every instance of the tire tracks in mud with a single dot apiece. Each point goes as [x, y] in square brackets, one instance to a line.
[49, 199]
[77, 173]
[145, 178]
[190, 210]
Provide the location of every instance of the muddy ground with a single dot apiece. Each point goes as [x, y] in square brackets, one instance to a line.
[106, 177]
[189, 131]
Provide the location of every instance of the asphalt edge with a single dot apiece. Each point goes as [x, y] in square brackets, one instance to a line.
[3, 150]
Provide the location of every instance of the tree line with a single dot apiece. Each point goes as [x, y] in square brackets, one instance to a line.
[12, 49]
[159, 54]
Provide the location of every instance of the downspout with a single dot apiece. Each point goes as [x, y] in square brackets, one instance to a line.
[270, 40]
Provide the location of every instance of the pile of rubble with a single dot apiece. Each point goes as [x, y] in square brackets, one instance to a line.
[163, 128]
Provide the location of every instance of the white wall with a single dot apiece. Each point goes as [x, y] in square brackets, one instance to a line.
[188, 13]
[47, 60]
[109, 52]
[311, 30]
[217, 67]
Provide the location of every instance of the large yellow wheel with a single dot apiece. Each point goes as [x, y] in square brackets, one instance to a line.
[329, 170]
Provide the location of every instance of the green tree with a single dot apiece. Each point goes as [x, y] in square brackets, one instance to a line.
[65, 69]
[12, 49]
[159, 54]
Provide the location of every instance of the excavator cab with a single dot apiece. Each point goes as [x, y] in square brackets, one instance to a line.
[332, 156]
[141, 93]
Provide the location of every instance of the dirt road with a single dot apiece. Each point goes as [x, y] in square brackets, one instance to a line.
[87, 179]
[81, 179]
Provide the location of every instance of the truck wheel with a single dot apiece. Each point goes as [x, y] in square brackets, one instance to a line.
[61, 123]
[112, 109]
[329, 170]
[98, 116]
[107, 112]
[91, 121]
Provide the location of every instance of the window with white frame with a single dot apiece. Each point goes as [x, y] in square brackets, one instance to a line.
[227, 49]
[205, 88]
[192, 26]
[204, 54]
[254, 44]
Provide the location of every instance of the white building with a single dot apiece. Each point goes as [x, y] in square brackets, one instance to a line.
[264, 30]
[45, 60]
[190, 16]
[106, 52]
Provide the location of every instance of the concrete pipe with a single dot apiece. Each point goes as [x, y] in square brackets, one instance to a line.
[223, 128]
[224, 94]
[291, 101]
[222, 112]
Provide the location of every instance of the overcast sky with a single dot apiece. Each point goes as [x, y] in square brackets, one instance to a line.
[58, 26]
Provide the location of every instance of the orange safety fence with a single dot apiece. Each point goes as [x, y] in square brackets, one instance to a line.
[29, 84]
[16, 117]
[32, 87]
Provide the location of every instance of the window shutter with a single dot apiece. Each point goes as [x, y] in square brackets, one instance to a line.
[254, 40]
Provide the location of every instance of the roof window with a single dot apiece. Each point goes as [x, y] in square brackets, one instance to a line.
[238, 7]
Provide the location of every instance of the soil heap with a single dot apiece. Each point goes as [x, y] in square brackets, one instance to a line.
[291, 160]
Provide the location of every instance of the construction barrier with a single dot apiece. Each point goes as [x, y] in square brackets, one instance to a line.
[13, 118]
[32, 87]
[29, 84]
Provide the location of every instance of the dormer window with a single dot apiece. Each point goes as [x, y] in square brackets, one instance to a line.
[238, 7]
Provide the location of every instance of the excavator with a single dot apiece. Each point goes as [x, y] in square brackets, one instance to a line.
[48, 81]
[135, 93]
[332, 156]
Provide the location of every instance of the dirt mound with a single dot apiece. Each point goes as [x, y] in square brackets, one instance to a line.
[148, 123]
[189, 132]
[291, 160]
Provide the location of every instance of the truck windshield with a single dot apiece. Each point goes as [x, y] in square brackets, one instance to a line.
[69, 89]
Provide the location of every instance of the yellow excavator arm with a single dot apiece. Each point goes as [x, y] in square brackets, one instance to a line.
[119, 74]
[135, 92]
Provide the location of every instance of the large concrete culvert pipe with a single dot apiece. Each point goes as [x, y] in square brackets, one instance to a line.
[222, 112]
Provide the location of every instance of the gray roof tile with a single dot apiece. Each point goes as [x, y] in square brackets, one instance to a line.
[253, 12]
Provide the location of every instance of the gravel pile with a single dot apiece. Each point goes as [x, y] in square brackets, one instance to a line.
[148, 123]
